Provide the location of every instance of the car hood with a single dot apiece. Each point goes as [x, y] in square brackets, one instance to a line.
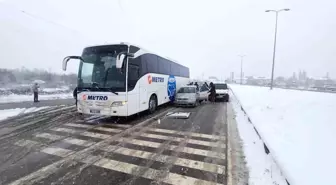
[222, 91]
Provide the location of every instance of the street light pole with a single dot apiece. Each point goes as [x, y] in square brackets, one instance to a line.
[241, 68]
[275, 39]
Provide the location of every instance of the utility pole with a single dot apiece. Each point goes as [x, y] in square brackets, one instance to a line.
[275, 39]
[241, 68]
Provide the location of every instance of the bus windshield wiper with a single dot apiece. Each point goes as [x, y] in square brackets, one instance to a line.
[113, 92]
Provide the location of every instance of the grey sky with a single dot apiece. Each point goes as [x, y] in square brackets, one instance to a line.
[204, 35]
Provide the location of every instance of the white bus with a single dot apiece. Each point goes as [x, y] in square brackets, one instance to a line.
[123, 79]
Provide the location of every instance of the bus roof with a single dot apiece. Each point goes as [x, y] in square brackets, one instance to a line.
[144, 51]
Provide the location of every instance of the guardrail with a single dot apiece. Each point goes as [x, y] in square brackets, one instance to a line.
[266, 148]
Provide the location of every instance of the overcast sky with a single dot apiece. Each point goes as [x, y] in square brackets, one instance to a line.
[207, 36]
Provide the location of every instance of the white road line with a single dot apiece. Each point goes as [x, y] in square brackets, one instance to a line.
[88, 134]
[172, 178]
[114, 130]
[27, 143]
[52, 137]
[121, 125]
[164, 158]
[146, 155]
[67, 130]
[95, 135]
[191, 141]
[57, 151]
[46, 171]
[78, 125]
[78, 142]
[207, 136]
[39, 174]
[172, 147]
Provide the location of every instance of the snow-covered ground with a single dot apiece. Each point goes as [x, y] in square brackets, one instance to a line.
[262, 168]
[299, 129]
[21, 98]
[60, 89]
[14, 112]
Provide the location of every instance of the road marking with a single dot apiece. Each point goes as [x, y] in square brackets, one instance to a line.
[95, 135]
[147, 143]
[27, 143]
[172, 178]
[114, 130]
[88, 134]
[164, 158]
[61, 152]
[191, 141]
[78, 125]
[207, 136]
[79, 142]
[121, 125]
[67, 130]
[172, 147]
[39, 174]
[46, 171]
[52, 137]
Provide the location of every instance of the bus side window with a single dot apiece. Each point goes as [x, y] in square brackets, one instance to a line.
[133, 75]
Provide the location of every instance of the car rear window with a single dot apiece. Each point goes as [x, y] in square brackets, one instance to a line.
[221, 86]
[187, 90]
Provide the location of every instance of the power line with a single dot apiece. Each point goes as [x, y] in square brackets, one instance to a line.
[40, 18]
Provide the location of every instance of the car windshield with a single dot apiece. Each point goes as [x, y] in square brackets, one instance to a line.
[98, 68]
[187, 90]
[220, 86]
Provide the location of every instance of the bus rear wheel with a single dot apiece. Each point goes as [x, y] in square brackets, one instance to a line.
[152, 105]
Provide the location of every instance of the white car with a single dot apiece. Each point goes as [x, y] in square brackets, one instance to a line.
[222, 91]
[190, 95]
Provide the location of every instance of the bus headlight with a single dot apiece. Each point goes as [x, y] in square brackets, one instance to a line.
[118, 103]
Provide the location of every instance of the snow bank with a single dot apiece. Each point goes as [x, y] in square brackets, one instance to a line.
[20, 98]
[299, 129]
[262, 168]
[61, 89]
[4, 114]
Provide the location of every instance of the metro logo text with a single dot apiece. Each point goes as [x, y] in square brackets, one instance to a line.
[90, 97]
[157, 79]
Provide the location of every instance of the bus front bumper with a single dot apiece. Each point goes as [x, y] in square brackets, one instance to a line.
[106, 111]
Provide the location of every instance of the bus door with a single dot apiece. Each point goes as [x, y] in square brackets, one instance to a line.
[133, 89]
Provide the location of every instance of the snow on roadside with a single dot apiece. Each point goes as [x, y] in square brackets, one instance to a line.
[51, 90]
[262, 169]
[21, 98]
[4, 114]
[298, 128]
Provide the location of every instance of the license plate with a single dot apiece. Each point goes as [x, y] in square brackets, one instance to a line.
[95, 111]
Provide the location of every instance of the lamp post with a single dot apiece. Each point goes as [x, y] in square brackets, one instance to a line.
[275, 38]
[241, 68]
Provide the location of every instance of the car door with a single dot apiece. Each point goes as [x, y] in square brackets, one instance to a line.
[204, 92]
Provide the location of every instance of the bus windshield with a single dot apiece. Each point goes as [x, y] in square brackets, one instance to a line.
[98, 69]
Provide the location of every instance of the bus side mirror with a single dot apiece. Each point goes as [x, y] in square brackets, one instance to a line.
[65, 63]
[121, 58]
[66, 60]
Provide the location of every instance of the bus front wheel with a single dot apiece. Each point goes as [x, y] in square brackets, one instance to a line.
[152, 104]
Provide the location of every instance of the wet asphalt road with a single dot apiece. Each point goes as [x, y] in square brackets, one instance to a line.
[42, 103]
[65, 149]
